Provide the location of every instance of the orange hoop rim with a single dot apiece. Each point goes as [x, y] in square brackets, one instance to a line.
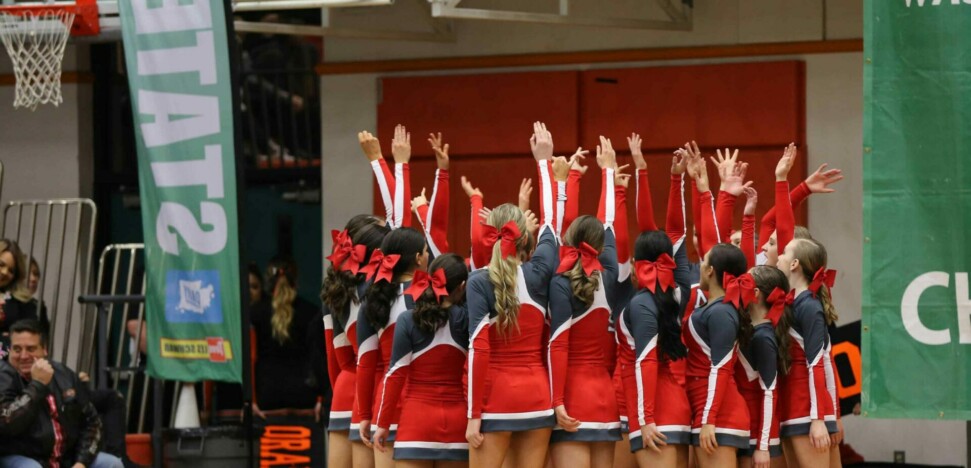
[86, 22]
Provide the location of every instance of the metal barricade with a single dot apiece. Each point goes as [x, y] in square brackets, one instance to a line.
[59, 235]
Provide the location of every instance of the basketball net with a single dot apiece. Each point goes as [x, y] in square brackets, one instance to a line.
[36, 42]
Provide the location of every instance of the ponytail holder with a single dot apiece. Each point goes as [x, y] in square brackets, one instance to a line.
[821, 278]
[587, 255]
[342, 249]
[422, 281]
[659, 273]
[778, 301]
[740, 290]
[507, 237]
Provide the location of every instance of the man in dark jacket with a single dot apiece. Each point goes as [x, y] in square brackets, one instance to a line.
[46, 419]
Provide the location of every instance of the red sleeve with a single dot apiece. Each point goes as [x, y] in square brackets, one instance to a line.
[434, 218]
[708, 235]
[480, 255]
[367, 369]
[785, 229]
[393, 383]
[333, 365]
[610, 351]
[547, 193]
[620, 225]
[674, 224]
[647, 394]
[748, 239]
[404, 209]
[572, 209]
[645, 205]
[696, 213]
[724, 210]
[796, 196]
[602, 204]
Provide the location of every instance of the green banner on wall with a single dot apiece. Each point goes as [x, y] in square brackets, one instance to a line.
[177, 56]
[917, 209]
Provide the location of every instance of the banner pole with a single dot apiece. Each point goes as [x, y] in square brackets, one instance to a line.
[234, 80]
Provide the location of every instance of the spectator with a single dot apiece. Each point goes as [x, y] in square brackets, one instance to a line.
[289, 341]
[45, 416]
[17, 303]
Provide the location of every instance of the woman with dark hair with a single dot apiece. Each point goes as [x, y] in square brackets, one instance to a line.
[17, 303]
[761, 367]
[430, 344]
[255, 283]
[402, 253]
[720, 421]
[341, 295]
[287, 333]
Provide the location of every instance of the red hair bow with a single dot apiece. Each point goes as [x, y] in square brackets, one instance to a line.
[385, 266]
[341, 249]
[778, 301]
[422, 281]
[659, 272]
[507, 236]
[822, 277]
[584, 253]
[358, 252]
[739, 291]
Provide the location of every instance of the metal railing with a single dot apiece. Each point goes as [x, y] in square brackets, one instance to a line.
[281, 117]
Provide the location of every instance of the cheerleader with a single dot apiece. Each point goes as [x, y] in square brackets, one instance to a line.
[808, 412]
[428, 355]
[341, 295]
[510, 412]
[403, 252]
[582, 295]
[761, 365]
[720, 421]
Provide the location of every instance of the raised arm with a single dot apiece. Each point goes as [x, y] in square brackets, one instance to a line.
[541, 144]
[644, 205]
[748, 226]
[785, 229]
[382, 174]
[401, 150]
[675, 222]
[732, 175]
[479, 255]
[572, 206]
[817, 182]
[433, 216]
[622, 251]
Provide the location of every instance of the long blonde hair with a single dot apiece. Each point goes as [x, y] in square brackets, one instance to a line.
[284, 277]
[503, 272]
[812, 256]
[587, 229]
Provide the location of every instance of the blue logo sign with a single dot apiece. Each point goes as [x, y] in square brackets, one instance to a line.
[193, 297]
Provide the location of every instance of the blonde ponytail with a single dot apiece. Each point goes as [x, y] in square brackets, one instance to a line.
[282, 302]
[828, 308]
[504, 272]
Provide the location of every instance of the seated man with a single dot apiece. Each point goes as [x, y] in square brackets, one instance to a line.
[46, 419]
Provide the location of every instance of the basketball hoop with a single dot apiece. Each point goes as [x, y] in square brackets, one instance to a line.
[35, 36]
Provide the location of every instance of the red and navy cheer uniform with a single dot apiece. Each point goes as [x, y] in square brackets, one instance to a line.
[580, 368]
[710, 334]
[341, 338]
[757, 376]
[805, 396]
[654, 390]
[373, 355]
[432, 422]
[509, 386]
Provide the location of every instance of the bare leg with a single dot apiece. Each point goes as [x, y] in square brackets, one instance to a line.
[693, 456]
[571, 455]
[800, 452]
[492, 451]
[414, 464]
[384, 459]
[602, 454]
[450, 464]
[778, 462]
[668, 458]
[683, 455]
[623, 458]
[338, 450]
[528, 448]
[362, 455]
[723, 457]
[834, 457]
[744, 462]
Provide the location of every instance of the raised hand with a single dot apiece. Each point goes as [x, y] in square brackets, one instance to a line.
[725, 163]
[441, 152]
[484, 214]
[370, 145]
[693, 155]
[733, 182]
[469, 189]
[819, 181]
[785, 163]
[532, 222]
[679, 163]
[401, 145]
[751, 200]
[541, 143]
[634, 142]
[578, 156]
[621, 179]
[525, 191]
[606, 156]
[561, 169]
[418, 201]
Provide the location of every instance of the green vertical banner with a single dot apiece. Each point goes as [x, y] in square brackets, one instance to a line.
[177, 55]
[917, 209]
